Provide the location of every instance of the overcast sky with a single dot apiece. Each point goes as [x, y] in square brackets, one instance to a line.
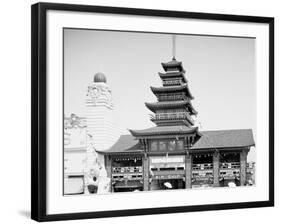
[220, 72]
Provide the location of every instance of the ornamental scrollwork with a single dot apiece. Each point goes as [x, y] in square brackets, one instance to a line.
[100, 94]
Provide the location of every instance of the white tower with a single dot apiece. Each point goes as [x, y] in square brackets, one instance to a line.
[99, 114]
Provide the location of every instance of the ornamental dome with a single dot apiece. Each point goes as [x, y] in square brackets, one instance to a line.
[99, 77]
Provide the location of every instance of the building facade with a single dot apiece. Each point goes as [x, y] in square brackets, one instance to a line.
[75, 154]
[100, 113]
[84, 170]
[175, 154]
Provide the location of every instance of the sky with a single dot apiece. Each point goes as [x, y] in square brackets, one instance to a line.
[220, 72]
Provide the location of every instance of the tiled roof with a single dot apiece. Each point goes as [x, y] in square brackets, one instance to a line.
[126, 143]
[225, 139]
[166, 104]
[164, 89]
[168, 88]
[173, 63]
[173, 74]
[171, 105]
[164, 130]
[209, 139]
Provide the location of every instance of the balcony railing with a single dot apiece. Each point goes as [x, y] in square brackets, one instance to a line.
[127, 169]
[172, 82]
[202, 166]
[171, 97]
[202, 172]
[232, 165]
[208, 166]
[171, 116]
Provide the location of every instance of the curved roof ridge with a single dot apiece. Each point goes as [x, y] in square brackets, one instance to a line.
[163, 89]
[164, 130]
[170, 105]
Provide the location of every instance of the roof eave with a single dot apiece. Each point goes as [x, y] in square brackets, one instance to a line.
[167, 75]
[148, 105]
[169, 88]
[223, 147]
[123, 152]
[136, 133]
[173, 63]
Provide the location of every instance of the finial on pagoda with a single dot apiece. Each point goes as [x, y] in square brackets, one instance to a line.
[174, 46]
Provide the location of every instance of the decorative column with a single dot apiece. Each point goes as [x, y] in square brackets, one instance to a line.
[188, 170]
[188, 163]
[108, 170]
[145, 172]
[216, 168]
[145, 165]
[243, 166]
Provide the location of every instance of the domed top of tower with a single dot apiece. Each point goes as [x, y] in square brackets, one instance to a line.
[99, 77]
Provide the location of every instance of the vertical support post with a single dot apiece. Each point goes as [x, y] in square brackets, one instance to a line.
[145, 173]
[145, 165]
[108, 170]
[188, 143]
[216, 168]
[188, 170]
[243, 166]
[188, 163]
[192, 140]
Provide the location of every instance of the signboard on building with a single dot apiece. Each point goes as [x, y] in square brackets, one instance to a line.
[168, 176]
[167, 159]
[173, 162]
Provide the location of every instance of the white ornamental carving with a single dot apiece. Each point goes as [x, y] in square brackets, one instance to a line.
[100, 94]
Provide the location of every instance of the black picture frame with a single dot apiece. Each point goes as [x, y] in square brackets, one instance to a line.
[39, 110]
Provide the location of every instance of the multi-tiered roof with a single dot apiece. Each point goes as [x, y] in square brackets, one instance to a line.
[173, 110]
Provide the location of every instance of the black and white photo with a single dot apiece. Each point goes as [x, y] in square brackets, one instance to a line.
[140, 111]
[129, 128]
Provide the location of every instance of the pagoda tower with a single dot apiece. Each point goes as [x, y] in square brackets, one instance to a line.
[173, 110]
[174, 132]
[174, 105]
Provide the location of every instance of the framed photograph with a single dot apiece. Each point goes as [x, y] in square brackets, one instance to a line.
[140, 111]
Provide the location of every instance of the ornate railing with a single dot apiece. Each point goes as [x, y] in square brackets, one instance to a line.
[171, 116]
[168, 97]
[172, 82]
[202, 166]
[127, 169]
[232, 165]
[202, 174]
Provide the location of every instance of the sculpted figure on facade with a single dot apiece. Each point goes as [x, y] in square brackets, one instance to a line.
[96, 180]
[99, 93]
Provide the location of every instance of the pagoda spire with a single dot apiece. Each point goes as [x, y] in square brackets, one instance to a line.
[174, 46]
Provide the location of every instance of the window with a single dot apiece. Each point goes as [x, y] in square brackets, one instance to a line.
[162, 146]
[180, 145]
[153, 145]
[74, 185]
[172, 145]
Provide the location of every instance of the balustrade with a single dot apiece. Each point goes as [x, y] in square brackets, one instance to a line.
[171, 116]
[172, 82]
[232, 165]
[127, 169]
[168, 97]
[202, 166]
